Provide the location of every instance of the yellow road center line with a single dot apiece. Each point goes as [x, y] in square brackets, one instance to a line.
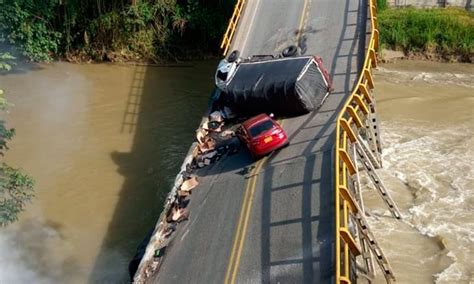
[300, 27]
[247, 216]
[239, 239]
[244, 220]
[237, 234]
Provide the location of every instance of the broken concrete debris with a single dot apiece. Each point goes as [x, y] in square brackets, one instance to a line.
[206, 159]
[216, 116]
[170, 228]
[212, 136]
[204, 154]
[189, 183]
[178, 212]
[208, 145]
[214, 140]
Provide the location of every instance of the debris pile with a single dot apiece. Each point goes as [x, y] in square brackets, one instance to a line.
[214, 139]
[285, 86]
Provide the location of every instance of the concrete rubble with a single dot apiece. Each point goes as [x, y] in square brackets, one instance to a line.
[214, 139]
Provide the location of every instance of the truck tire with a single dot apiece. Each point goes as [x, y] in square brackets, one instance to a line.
[233, 56]
[291, 50]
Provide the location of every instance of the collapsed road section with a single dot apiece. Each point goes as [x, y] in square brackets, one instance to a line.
[282, 218]
[286, 86]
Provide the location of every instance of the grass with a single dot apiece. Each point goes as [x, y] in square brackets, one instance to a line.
[381, 5]
[443, 31]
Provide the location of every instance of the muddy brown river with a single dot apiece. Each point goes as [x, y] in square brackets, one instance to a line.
[104, 143]
[427, 115]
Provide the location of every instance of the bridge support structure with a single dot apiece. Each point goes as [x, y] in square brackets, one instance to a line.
[358, 141]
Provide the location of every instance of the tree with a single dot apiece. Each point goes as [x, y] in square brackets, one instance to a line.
[16, 188]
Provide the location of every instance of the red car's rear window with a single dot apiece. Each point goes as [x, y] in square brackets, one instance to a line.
[260, 128]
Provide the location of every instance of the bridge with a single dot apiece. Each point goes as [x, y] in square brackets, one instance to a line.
[297, 215]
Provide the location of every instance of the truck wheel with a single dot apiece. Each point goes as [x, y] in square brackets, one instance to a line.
[233, 56]
[291, 50]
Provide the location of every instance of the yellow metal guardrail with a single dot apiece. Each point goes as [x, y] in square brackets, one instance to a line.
[348, 120]
[229, 33]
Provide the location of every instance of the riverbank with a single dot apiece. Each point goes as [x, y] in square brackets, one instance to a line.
[164, 32]
[392, 56]
[111, 31]
[437, 34]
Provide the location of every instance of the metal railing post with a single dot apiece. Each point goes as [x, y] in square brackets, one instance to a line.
[360, 104]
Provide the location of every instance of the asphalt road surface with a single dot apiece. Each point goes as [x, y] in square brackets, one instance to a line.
[273, 220]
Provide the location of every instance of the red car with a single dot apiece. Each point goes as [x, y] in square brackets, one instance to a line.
[262, 135]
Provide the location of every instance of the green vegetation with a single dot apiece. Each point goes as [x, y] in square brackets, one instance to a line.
[6, 62]
[114, 29]
[16, 188]
[381, 5]
[444, 32]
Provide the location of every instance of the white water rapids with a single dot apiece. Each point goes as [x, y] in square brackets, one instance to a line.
[427, 115]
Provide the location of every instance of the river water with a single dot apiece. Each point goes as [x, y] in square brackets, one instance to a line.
[104, 143]
[427, 122]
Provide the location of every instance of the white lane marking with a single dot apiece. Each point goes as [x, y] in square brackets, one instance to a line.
[244, 43]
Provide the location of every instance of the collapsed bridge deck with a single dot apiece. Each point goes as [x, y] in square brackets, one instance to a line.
[273, 220]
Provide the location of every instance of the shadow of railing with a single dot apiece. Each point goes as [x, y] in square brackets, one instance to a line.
[316, 219]
[163, 109]
[314, 225]
[130, 115]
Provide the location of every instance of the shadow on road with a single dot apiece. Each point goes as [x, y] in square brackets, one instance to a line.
[316, 222]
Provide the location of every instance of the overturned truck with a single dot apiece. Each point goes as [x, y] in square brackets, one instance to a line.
[284, 86]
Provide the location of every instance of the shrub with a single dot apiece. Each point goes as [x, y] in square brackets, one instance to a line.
[27, 23]
[381, 5]
[444, 31]
[16, 188]
[103, 30]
